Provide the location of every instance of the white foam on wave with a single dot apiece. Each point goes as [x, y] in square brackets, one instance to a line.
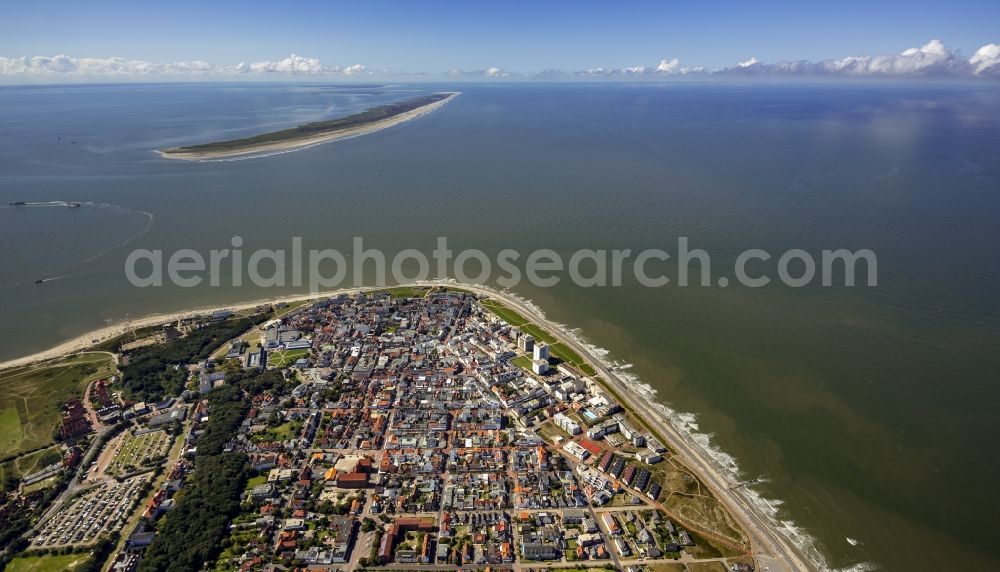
[860, 567]
[686, 425]
[40, 204]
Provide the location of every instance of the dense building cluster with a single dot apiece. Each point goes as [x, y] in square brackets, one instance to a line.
[381, 429]
[406, 435]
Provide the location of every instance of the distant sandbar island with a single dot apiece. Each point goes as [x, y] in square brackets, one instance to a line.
[374, 119]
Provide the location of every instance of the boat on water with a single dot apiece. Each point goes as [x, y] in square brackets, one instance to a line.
[17, 204]
[39, 281]
[74, 205]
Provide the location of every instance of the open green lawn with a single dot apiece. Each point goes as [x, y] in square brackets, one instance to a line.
[32, 462]
[287, 430]
[285, 358]
[283, 432]
[31, 397]
[254, 481]
[505, 313]
[665, 567]
[64, 563]
[540, 335]
[10, 428]
[523, 362]
[706, 567]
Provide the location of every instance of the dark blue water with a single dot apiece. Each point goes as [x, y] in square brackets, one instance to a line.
[871, 412]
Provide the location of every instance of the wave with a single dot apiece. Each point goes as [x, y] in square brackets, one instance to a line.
[150, 220]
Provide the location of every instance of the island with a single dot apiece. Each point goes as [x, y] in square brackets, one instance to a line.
[435, 426]
[305, 135]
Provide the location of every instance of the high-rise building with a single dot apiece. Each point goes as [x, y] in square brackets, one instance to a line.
[541, 352]
[540, 366]
[526, 342]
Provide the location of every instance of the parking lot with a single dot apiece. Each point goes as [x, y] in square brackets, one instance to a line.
[106, 507]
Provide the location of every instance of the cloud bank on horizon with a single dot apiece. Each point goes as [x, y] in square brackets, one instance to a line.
[119, 66]
[933, 59]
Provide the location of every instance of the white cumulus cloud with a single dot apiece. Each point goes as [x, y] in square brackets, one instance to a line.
[931, 59]
[488, 72]
[293, 64]
[115, 66]
[669, 66]
[665, 67]
[986, 60]
[119, 66]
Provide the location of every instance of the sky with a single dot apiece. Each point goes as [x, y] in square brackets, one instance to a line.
[510, 38]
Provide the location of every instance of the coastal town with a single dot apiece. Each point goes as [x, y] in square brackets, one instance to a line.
[397, 429]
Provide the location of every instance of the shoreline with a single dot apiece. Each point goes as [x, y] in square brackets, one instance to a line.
[768, 543]
[252, 151]
[770, 548]
[86, 341]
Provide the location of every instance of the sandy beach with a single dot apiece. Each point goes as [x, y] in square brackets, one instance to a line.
[86, 342]
[298, 143]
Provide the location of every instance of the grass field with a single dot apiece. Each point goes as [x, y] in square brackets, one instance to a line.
[64, 563]
[523, 362]
[31, 398]
[283, 432]
[505, 313]
[31, 462]
[669, 567]
[706, 567]
[284, 358]
[10, 429]
[254, 481]
[709, 514]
